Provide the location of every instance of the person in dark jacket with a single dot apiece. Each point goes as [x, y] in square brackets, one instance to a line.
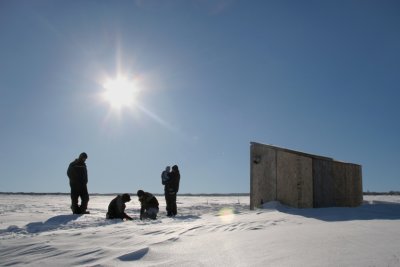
[171, 189]
[149, 205]
[116, 208]
[164, 175]
[78, 179]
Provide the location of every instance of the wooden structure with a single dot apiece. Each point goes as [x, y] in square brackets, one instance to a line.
[302, 180]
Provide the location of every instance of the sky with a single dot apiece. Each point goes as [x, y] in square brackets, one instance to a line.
[207, 78]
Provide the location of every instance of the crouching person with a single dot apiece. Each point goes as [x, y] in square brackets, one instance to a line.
[149, 205]
[116, 208]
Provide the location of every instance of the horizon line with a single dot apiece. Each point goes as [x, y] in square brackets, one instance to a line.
[116, 193]
[391, 192]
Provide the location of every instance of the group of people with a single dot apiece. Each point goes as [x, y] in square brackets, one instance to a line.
[149, 206]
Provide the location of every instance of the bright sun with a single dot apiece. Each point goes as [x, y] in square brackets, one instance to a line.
[120, 92]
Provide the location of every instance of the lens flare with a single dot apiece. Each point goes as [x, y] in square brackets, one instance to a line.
[226, 215]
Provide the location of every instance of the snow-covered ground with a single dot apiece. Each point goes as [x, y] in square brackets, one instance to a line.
[208, 231]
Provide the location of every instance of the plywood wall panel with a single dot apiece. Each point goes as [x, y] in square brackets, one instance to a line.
[294, 180]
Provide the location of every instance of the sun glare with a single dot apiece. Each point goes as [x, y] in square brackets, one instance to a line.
[120, 92]
[226, 215]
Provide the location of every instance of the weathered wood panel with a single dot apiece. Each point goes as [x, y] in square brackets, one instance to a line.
[324, 194]
[294, 180]
[263, 175]
[354, 185]
[340, 185]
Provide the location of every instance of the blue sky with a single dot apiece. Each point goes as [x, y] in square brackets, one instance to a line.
[321, 77]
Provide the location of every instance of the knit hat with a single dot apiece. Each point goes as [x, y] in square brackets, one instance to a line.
[126, 197]
[140, 193]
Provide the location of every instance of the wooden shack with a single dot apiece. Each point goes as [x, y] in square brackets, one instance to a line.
[302, 180]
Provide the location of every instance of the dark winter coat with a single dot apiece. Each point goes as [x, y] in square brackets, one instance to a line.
[147, 201]
[116, 209]
[77, 174]
[172, 187]
[164, 177]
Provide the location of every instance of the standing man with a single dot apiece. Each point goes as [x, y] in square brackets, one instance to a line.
[78, 178]
[171, 189]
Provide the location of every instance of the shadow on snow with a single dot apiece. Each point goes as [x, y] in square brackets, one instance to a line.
[50, 224]
[375, 210]
[57, 222]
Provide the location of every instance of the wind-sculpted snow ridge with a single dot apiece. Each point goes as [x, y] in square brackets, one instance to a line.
[59, 222]
[208, 231]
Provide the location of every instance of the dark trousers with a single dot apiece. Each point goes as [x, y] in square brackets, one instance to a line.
[170, 199]
[76, 193]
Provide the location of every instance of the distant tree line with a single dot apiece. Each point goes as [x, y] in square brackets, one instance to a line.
[390, 193]
[112, 194]
[368, 193]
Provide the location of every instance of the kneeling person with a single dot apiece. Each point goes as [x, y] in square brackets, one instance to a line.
[116, 208]
[149, 205]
